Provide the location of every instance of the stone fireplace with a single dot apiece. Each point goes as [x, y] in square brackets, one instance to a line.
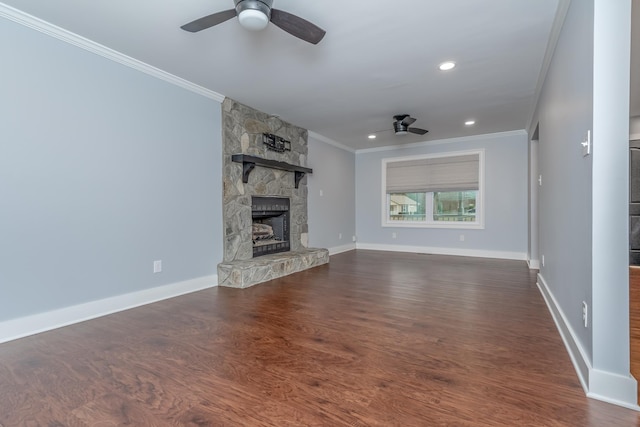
[256, 181]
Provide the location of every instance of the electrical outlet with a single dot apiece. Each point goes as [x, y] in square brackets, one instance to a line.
[339, 236]
[585, 313]
[540, 180]
[321, 193]
[353, 238]
[157, 266]
[462, 237]
[394, 235]
[543, 260]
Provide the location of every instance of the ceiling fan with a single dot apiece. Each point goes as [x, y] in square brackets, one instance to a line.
[401, 125]
[255, 15]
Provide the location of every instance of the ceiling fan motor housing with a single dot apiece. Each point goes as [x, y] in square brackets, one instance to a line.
[263, 6]
[399, 128]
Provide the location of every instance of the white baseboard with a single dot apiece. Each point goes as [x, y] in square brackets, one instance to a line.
[42, 322]
[479, 253]
[577, 353]
[619, 390]
[601, 385]
[344, 248]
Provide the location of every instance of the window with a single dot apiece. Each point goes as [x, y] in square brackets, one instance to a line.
[455, 205]
[443, 190]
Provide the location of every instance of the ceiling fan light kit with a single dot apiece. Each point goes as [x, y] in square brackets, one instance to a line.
[253, 20]
[254, 15]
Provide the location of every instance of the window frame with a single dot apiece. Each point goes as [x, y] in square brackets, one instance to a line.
[480, 205]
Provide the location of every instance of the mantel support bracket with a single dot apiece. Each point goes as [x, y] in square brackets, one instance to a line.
[246, 170]
[298, 176]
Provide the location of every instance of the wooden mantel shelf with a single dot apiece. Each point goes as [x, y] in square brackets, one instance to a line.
[250, 162]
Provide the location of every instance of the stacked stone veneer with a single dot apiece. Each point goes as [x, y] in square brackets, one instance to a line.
[242, 129]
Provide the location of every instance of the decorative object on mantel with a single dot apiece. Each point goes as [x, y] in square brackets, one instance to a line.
[250, 162]
[276, 143]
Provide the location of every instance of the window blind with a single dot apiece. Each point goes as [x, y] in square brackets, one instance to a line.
[452, 173]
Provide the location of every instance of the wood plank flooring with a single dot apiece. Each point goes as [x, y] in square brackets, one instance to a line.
[371, 339]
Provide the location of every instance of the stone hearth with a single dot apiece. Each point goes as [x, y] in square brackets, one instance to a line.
[243, 129]
[242, 274]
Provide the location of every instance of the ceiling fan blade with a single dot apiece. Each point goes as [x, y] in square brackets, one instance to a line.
[209, 21]
[408, 121]
[417, 131]
[297, 26]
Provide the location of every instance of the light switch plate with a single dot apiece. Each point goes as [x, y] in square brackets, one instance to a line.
[586, 144]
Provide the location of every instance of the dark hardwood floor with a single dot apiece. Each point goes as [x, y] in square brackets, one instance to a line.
[371, 339]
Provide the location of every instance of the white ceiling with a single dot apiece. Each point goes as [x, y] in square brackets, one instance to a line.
[379, 58]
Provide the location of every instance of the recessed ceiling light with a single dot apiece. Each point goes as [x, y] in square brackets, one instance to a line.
[372, 136]
[470, 122]
[446, 66]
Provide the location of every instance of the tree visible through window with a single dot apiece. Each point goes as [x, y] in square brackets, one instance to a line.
[454, 205]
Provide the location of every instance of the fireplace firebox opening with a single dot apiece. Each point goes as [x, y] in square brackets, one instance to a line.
[270, 225]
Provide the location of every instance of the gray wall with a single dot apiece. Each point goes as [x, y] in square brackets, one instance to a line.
[564, 114]
[103, 169]
[334, 212]
[505, 198]
[583, 202]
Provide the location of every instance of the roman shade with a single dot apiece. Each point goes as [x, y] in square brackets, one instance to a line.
[451, 173]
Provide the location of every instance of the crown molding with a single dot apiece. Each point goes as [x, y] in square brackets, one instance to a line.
[554, 36]
[49, 29]
[330, 141]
